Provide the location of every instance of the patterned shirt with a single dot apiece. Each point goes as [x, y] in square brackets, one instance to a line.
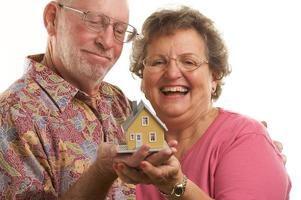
[49, 133]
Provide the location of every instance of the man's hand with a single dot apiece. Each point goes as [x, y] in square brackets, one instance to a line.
[96, 181]
[280, 148]
[277, 144]
[104, 161]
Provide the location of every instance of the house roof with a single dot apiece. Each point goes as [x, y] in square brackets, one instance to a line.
[136, 112]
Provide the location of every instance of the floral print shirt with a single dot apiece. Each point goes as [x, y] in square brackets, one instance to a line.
[49, 133]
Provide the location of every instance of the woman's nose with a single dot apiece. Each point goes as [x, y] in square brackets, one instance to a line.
[173, 70]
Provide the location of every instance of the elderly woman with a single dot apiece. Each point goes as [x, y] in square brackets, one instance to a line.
[182, 61]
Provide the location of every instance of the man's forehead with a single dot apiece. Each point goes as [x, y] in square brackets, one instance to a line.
[117, 9]
[65, 1]
[95, 5]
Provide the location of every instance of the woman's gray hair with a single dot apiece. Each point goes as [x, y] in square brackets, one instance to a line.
[168, 21]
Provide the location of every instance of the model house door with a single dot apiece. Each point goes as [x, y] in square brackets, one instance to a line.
[138, 140]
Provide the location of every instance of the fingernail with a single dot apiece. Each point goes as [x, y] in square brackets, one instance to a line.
[174, 150]
[121, 167]
[115, 166]
[143, 165]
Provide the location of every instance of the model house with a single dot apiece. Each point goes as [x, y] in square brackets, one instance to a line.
[142, 127]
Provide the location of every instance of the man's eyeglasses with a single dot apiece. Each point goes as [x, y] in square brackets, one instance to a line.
[99, 22]
[186, 62]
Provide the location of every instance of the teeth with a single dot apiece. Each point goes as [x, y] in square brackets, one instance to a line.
[174, 89]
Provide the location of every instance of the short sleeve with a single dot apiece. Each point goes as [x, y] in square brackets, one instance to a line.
[251, 169]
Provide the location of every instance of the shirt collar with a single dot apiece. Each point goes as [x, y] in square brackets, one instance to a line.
[55, 86]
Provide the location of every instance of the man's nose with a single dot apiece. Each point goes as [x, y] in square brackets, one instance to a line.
[106, 37]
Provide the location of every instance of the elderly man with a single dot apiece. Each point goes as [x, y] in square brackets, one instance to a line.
[58, 122]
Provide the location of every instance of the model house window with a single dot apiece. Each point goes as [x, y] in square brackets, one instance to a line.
[152, 137]
[132, 136]
[138, 137]
[145, 121]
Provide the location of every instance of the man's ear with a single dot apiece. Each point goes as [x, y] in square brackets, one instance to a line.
[50, 16]
[142, 85]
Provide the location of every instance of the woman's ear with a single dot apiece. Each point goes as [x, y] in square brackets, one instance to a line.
[213, 87]
[50, 16]
[214, 82]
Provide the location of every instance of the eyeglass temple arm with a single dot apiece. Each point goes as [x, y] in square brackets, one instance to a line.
[73, 9]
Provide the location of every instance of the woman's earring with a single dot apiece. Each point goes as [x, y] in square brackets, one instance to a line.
[213, 90]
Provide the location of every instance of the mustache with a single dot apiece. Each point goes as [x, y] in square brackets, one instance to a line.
[99, 50]
[101, 53]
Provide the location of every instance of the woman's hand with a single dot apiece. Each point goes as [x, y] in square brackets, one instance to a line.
[163, 176]
[161, 169]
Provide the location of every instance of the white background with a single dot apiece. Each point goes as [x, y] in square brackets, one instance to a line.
[263, 37]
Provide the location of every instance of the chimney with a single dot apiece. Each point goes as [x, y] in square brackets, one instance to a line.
[134, 107]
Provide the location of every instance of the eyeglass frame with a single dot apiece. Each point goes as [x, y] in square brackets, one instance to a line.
[168, 59]
[110, 19]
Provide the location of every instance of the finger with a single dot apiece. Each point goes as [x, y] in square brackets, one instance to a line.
[107, 150]
[162, 176]
[264, 123]
[134, 159]
[153, 172]
[131, 175]
[166, 171]
[284, 158]
[173, 143]
[138, 156]
[163, 155]
[160, 157]
[124, 177]
[278, 145]
[105, 156]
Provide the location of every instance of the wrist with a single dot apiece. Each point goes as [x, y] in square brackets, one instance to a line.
[92, 184]
[178, 189]
[102, 174]
[103, 165]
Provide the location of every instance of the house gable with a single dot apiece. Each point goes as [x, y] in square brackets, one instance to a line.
[137, 127]
[143, 127]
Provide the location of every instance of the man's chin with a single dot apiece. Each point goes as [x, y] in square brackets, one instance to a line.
[99, 75]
